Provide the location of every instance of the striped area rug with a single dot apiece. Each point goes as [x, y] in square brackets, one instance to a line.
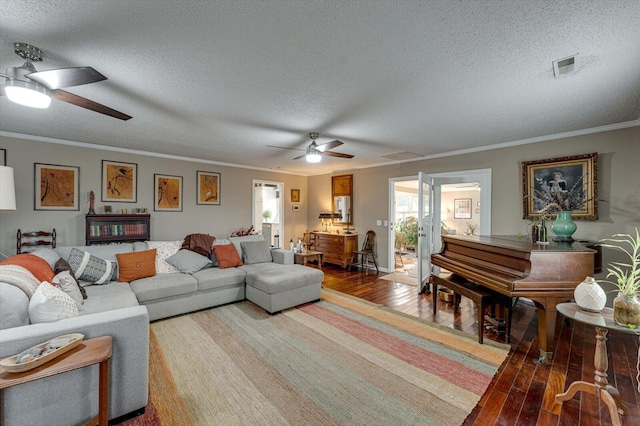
[340, 361]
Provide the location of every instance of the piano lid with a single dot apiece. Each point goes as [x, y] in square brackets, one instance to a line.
[521, 243]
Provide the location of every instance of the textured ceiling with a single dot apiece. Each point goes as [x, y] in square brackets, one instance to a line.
[220, 80]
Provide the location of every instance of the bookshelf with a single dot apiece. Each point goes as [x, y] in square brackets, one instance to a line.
[117, 228]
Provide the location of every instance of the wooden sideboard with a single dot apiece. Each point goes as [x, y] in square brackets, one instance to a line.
[337, 248]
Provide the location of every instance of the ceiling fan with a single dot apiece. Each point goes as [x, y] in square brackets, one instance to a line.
[27, 86]
[314, 152]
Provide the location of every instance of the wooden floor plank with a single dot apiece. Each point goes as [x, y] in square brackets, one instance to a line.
[521, 392]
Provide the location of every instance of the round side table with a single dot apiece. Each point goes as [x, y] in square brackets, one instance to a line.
[603, 322]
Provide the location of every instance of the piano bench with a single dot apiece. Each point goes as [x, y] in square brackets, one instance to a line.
[481, 296]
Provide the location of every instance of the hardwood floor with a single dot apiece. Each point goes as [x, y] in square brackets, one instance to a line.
[522, 392]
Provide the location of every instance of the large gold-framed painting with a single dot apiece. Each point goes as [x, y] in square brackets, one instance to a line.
[119, 181]
[56, 187]
[564, 183]
[208, 188]
[168, 193]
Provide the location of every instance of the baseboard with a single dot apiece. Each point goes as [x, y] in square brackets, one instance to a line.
[127, 416]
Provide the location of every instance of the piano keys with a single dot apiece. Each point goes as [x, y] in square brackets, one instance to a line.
[547, 274]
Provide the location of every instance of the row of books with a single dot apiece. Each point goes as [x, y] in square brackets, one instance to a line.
[115, 230]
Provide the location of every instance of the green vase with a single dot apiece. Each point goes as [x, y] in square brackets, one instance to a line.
[564, 226]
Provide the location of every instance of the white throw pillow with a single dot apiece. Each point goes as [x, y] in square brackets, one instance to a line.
[65, 282]
[164, 249]
[49, 303]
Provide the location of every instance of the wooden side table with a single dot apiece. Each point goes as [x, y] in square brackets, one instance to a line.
[603, 322]
[303, 258]
[89, 352]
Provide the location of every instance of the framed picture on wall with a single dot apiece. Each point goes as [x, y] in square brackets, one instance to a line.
[119, 181]
[168, 193]
[56, 187]
[208, 188]
[3, 157]
[566, 183]
[462, 208]
[295, 195]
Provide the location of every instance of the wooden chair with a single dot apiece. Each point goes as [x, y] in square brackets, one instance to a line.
[368, 249]
[309, 240]
[35, 234]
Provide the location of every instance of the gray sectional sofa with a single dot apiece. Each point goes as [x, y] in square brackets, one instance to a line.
[123, 311]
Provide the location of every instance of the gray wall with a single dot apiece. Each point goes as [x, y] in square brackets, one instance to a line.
[618, 184]
[233, 213]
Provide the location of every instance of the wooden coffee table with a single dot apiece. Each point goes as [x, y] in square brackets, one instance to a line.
[304, 257]
[89, 352]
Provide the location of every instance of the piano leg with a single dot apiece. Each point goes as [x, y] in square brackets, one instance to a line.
[547, 315]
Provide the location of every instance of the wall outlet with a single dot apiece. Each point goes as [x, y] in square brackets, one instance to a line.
[379, 222]
[386, 223]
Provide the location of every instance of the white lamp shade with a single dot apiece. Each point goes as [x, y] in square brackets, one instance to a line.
[7, 189]
[27, 94]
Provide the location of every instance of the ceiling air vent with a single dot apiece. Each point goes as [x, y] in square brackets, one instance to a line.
[565, 66]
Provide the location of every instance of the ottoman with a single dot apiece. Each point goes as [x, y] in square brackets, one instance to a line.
[275, 287]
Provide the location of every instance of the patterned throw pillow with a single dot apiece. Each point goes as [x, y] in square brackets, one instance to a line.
[62, 265]
[90, 268]
[49, 303]
[164, 249]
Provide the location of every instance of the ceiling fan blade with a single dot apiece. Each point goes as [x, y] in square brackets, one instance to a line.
[63, 96]
[329, 145]
[283, 147]
[300, 156]
[66, 77]
[336, 154]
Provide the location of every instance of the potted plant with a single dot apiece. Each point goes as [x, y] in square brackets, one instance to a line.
[408, 228]
[266, 215]
[626, 305]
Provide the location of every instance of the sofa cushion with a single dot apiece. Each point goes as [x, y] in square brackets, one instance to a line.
[275, 278]
[164, 249]
[188, 262]
[255, 252]
[108, 297]
[107, 252]
[50, 255]
[62, 265]
[211, 278]
[136, 265]
[49, 303]
[165, 285]
[227, 256]
[237, 241]
[90, 268]
[14, 306]
[36, 265]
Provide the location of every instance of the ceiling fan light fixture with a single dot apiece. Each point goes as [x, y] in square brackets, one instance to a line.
[313, 156]
[28, 94]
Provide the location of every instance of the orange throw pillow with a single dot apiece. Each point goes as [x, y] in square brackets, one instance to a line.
[36, 265]
[136, 265]
[227, 256]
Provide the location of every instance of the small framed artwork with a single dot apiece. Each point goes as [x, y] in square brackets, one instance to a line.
[565, 183]
[208, 188]
[3, 157]
[295, 195]
[119, 181]
[141, 211]
[462, 208]
[56, 187]
[168, 193]
[108, 209]
[295, 207]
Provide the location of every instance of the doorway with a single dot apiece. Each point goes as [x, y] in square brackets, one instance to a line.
[267, 212]
[435, 198]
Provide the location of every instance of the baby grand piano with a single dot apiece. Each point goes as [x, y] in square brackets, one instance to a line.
[513, 266]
